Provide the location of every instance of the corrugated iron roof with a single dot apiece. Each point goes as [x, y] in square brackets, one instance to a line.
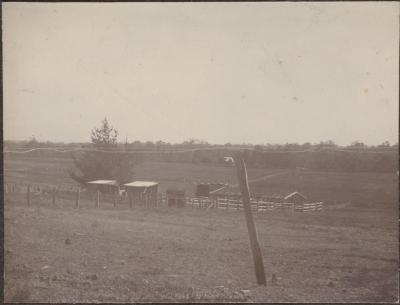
[104, 182]
[141, 184]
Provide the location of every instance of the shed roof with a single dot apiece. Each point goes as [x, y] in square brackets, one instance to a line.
[141, 184]
[295, 194]
[104, 182]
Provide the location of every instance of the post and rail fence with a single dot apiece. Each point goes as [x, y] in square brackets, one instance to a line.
[57, 194]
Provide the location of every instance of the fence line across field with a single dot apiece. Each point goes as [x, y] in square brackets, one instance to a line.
[76, 195]
[26, 150]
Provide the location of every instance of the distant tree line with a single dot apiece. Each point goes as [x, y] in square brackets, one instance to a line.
[325, 155]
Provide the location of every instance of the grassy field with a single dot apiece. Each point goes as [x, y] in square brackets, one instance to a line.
[54, 172]
[348, 252]
[361, 188]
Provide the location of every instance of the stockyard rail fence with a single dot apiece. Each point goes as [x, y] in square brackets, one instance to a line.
[70, 195]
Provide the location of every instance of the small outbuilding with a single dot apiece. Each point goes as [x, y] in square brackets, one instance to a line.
[104, 186]
[176, 198]
[296, 198]
[142, 192]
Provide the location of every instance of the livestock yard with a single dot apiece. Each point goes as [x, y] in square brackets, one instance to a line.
[347, 251]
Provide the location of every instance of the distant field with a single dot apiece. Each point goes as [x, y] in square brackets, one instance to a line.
[181, 175]
[359, 188]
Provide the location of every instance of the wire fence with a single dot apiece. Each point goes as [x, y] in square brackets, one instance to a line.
[25, 150]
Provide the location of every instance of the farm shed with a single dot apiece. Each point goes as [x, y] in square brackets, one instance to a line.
[176, 198]
[104, 186]
[142, 192]
[296, 198]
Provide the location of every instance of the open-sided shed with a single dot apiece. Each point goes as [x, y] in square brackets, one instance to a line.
[142, 192]
[104, 186]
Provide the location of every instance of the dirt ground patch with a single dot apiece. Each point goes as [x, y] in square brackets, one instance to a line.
[60, 254]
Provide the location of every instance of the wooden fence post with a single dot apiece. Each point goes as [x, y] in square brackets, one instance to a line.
[28, 194]
[255, 247]
[115, 197]
[98, 199]
[78, 195]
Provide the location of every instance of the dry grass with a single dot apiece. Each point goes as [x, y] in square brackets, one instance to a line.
[19, 293]
[193, 255]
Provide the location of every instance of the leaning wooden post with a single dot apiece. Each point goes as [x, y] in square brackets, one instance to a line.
[28, 194]
[255, 247]
[77, 197]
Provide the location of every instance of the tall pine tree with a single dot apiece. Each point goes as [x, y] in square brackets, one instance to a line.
[103, 160]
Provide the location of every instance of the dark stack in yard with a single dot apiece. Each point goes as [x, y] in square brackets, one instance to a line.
[203, 190]
[176, 198]
[206, 189]
[142, 193]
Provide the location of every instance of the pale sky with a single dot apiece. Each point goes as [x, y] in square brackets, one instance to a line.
[220, 72]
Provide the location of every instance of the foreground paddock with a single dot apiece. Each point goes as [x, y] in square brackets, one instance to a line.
[58, 254]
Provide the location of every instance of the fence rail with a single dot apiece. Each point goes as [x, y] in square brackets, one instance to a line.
[256, 205]
[75, 194]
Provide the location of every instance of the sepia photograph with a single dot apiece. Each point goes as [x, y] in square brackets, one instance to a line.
[200, 152]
